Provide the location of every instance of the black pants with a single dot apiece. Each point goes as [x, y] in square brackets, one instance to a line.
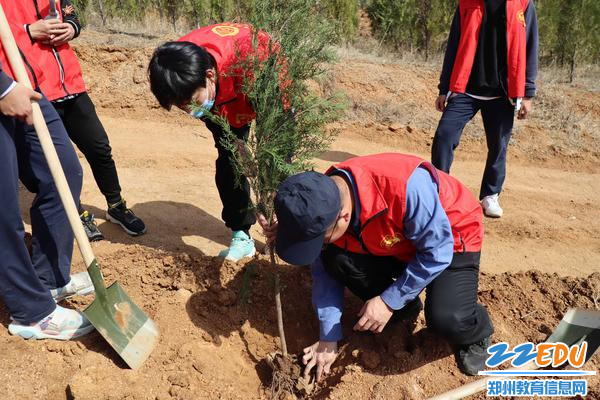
[86, 131]
[235, 196]
[498, 117]
[451, 306]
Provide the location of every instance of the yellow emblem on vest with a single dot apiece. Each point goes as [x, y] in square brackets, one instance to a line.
[388, 241]
[225, 30]
[521, 17]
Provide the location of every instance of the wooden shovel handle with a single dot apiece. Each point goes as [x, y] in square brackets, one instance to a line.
[478, 385]
[16, 63]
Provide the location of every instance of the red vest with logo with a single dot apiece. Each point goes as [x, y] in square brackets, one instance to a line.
[228, 43]
[15, 14]
[471, 17]
[62, 71]
[381, 183]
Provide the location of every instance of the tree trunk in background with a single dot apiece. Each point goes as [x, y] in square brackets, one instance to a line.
[101, 11]
[572, 64]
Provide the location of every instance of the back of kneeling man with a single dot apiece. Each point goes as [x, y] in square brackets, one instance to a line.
[393, 226]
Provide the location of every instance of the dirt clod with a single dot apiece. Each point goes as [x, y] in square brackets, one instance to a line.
[370, 359]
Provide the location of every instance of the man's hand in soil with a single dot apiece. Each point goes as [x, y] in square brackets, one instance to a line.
[269, 229]
[17, 103]
[525, 108]
[322, 355]
[374, 315]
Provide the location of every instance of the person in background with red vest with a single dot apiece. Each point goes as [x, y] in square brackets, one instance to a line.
[490, 65]
[199, 69]
[392, 226]
[50, 30]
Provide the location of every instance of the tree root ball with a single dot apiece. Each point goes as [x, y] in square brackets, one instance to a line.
[288, 381]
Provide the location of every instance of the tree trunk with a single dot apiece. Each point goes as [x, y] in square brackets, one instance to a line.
[102, 14]
[572, 65]
[278, 305]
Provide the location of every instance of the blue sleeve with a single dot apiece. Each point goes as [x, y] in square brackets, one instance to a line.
[532, 40]
[450, 55]
[328, 300]
[427, 226]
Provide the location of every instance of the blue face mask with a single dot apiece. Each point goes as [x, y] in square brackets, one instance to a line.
[207, 105]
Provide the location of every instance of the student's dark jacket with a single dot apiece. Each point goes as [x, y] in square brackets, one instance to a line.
[464, 47]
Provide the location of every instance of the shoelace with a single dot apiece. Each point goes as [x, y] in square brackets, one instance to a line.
[122, 205]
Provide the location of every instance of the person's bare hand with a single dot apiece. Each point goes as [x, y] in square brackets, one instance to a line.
[525, 108]
[17, 103]
[269, 229]
[322, 355]
[374, 315]
[63, 38]
[440, 103]
[44, 30]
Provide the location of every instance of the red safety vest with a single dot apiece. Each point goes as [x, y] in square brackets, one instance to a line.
[62, 71]
[471, 16]
[381, 183]
[15, 14]
[227, 43]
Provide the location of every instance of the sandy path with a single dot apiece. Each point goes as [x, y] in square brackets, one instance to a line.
[166, 166]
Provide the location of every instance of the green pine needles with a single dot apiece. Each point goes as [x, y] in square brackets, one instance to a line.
[291, 118]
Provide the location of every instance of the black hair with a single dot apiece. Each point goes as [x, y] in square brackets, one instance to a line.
[177, 70]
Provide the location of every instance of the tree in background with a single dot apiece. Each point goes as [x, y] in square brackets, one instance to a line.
[345, 13]
[569, 32]
[183, 15]
[413, 25]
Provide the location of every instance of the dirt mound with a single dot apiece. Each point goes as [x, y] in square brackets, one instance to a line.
[218, 325]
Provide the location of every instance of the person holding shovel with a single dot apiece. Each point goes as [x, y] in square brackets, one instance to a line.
[200, 70]
[31, 285]
[490, 66]
[51, 25]
[387, 227]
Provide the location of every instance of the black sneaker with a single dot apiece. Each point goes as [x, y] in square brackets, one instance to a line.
[90, 227]
[471, 358]
[120, 214]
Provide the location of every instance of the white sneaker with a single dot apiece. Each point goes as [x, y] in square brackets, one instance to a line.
[62, 324]
[80, 284]
[491, 206]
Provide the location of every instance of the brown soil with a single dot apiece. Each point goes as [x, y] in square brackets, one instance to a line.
[217, 320]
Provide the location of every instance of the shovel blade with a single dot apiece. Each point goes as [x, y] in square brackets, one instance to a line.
[124, 325]
[579, 325]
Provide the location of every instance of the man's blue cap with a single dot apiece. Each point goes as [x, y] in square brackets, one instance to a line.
[306, 205]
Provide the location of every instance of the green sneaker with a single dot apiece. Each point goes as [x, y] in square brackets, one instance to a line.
[241, 246]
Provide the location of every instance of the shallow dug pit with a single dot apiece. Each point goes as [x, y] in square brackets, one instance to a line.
[218, 326]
